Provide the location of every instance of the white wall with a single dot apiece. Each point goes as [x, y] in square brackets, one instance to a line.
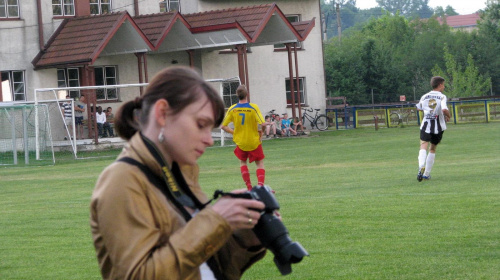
[268, 69]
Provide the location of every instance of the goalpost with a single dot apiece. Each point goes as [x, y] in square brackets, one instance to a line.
[227, 90]
[64, 139]
[17, 134]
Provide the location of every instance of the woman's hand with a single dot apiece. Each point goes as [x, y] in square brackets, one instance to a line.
[240, 213]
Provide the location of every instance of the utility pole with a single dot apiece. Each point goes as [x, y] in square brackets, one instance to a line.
[324, 26]
[339, 24]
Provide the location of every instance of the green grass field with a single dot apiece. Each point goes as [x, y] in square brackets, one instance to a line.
[351, 198]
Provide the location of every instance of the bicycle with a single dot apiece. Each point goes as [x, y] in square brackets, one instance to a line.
[272, 115]
[318, 120]
[400, 116]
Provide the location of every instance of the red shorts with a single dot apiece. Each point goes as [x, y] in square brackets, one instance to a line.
[257, 154]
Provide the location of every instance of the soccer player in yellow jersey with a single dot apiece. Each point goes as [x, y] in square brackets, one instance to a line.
[246, 118]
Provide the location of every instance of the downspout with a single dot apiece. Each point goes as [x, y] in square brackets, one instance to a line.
[297, 80]
[94, 100]
[40, 24]
[136, 8]
[91, 102]
[290, 71]
[246, 70]
[323, 58]
[241, 66]
[145, 59]
[139, 67]
[191, 58]
[88, 93]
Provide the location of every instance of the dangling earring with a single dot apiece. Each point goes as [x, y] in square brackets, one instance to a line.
[161, 137]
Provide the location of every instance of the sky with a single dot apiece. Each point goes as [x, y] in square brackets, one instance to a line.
[462, 7]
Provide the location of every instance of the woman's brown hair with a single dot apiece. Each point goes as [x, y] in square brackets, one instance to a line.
[180, 86]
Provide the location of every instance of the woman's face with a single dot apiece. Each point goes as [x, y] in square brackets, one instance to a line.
[189, 133]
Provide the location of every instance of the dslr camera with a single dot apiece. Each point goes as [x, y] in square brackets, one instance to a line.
[271, 231]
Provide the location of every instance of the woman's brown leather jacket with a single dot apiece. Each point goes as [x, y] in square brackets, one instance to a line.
[139, 234]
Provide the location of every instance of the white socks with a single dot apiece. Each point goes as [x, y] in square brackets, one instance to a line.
[421, 158]
[429, 163]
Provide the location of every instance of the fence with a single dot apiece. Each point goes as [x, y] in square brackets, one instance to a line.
[394, 115]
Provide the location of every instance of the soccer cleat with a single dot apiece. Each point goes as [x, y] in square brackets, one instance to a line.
[420, 174]
[426, 177]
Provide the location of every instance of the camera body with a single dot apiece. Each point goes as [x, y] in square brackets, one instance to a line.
[272, 233]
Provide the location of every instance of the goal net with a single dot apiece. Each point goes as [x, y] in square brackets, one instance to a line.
[20, 143]
[75, 140]
[227, 90]
[65, 137]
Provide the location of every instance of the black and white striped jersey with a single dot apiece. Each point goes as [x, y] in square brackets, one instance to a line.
[433, 104]
[67, 109]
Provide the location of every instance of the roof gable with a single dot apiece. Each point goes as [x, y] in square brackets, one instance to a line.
[252, 20]
[83, 39]
[304, 27]
[157, 26]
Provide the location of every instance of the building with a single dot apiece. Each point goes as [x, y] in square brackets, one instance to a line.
[70, 43]
[461, 22]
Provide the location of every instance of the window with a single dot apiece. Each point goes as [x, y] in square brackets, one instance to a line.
[13, 87]
[170, 5]
[99, 7]
[301, 91]
[69, 77]
[63, 7]
[9, 9]
[291, 18]
[229, 93]
[106, 76]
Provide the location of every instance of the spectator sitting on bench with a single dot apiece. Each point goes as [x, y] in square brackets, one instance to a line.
[270, 126]
[297, 126]
[110, 120]
[286, 126]
[101, 120]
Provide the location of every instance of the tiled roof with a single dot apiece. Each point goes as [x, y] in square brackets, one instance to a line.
[251, 19]
[461, 20]
[304, 27]
[81, 39]
[156, 26]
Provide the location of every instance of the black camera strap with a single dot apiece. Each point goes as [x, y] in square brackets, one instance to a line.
[173, 185]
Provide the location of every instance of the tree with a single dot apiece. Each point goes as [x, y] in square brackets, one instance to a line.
[395, 6]
[488, 44]
[407, 8]
[462, 82]
[448, 11]
[395, 56]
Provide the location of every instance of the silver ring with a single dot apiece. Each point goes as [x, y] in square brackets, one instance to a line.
[248, 214]
[250, 221]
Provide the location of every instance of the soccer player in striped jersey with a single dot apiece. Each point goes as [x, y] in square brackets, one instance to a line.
[436, 114]
[246, 118]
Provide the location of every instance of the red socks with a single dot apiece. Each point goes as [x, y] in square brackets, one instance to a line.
[261, 176]
[246, 176]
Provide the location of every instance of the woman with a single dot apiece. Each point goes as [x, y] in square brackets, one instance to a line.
[139, 231]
